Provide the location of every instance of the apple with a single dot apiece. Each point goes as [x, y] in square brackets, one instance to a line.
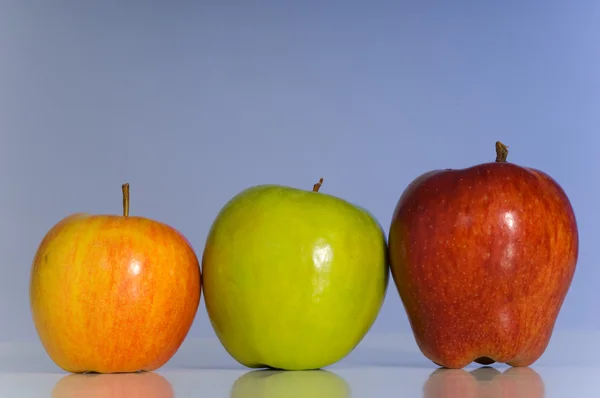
[125, 385]
[484, 382]
[113, 293]
[293, 279]
[482, 258]
[277, 384]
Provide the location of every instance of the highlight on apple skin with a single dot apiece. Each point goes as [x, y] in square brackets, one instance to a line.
[293, 279]
[113, 294]
[483, 258]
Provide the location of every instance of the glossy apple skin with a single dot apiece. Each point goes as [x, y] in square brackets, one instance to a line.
[293, 279]
[125, 385]
[483, 258]
[113, 294]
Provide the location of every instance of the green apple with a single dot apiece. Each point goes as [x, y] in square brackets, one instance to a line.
[293, 279]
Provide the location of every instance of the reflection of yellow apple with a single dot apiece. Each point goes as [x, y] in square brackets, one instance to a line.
[484, 382]
[293, 279]
[123, 385]
[301, 384]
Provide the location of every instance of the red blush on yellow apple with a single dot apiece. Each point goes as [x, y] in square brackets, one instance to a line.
[113, 294]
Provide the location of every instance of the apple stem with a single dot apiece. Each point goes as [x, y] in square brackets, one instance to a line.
[318, 185]
[501, 152]
[125, 189]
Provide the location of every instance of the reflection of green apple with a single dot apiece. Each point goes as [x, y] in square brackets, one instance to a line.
[276, 384]
[293, 279]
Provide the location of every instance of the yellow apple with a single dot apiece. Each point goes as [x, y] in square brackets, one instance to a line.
[113, 293]
[293, 279]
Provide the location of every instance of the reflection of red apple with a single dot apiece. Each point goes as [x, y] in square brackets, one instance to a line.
[483, 258]
[124, 385]
[484, 382]
[113, 293]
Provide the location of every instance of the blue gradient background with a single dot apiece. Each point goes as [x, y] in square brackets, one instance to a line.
[194, 101]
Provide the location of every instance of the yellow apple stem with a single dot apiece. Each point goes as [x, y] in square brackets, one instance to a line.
[501, 152]
[125, 189]
[318, 185]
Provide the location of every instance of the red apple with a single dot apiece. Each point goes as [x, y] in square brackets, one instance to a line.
[483, 258]
[113, 293]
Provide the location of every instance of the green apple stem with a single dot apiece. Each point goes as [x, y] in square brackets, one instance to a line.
[501, 152]
[318, 185]
[125, 189]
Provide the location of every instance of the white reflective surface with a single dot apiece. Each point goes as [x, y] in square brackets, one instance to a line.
[382, 366]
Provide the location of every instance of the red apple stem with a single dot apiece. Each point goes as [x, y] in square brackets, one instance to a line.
[501, 152]
[125, 189]
[318, 185]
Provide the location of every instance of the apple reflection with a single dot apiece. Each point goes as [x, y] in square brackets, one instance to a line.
[484, 382]
[297, 384]
[118, 385]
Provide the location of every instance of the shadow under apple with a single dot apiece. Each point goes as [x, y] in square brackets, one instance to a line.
[116, 385]
[484, 382]
[290, 384]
